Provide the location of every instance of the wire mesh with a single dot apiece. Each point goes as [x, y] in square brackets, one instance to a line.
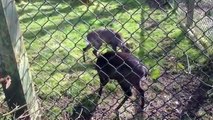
[179, 57]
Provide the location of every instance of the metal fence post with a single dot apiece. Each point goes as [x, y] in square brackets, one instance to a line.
[14, 68]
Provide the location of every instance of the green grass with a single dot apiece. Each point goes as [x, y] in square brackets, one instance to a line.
[54, 36]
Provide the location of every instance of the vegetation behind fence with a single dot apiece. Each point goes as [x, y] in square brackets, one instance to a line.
[173, 39]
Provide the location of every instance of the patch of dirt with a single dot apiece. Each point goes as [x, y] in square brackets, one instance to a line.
[174, 96]
[165, 99]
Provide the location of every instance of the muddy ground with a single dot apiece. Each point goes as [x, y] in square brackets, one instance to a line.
[172, 97]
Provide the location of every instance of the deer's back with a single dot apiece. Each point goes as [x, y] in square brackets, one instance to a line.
[121, 65]
[104, 35]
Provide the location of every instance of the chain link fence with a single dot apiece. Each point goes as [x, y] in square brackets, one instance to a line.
[178, 55]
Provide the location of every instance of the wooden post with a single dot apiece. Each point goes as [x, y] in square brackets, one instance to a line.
[14, 68]
[141, 52]
[190, 5]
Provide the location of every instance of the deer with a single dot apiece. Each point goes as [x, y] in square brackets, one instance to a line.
[98, 37]
[125, 69]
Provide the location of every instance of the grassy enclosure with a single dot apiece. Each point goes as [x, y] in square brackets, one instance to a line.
[54, 34]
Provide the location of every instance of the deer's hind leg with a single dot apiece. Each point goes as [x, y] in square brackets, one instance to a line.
[141, 93]
[126, 87]
[103, 81]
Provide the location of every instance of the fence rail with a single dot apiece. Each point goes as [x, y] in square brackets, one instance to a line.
[172, 38]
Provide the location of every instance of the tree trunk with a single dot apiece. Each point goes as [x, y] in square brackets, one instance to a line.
[142, 28]
[190, 5]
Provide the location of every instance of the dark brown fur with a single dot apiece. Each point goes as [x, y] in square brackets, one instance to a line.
[108, 36]
[124, 68]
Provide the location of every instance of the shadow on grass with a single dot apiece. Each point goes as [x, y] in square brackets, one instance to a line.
[124, 6]
[48, 12]
[167, 46]
[46, 29]
[86, 107]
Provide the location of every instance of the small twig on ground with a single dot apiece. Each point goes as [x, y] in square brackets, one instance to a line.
[79, 116]
[14, 110]
[24, 116]
[188, 64]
